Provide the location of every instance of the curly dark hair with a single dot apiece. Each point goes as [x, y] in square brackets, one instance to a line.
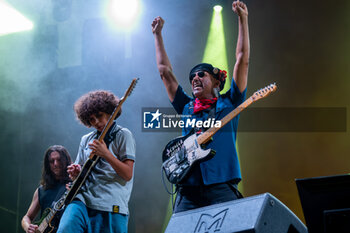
[48, 179]
[94, 102]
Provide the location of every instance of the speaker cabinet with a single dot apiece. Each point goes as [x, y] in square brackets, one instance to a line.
[257, 214]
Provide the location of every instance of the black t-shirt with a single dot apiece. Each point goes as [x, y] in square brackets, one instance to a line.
[48, 196]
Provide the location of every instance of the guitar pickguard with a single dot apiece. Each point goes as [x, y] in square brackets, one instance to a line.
[179, 156]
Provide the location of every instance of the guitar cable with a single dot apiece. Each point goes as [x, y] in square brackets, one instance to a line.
[172, 192]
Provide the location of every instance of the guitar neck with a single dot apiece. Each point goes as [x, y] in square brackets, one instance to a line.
[109, 123]
[80, 179]
[207, 135]
[116, 111]
[43, 225]
[45, 222]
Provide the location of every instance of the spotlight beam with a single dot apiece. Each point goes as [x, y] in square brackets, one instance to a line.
[215, 49]
[11, 20]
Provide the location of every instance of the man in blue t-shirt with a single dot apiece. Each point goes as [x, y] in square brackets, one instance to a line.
[215, 180]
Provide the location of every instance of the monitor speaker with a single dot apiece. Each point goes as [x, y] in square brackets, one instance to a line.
[257, 214]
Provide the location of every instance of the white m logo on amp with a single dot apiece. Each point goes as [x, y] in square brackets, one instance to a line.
[210, 224]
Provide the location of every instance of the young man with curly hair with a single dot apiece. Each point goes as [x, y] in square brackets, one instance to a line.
[52, 185]
[101, 205]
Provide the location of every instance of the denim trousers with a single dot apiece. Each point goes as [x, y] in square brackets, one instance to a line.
[77, 218]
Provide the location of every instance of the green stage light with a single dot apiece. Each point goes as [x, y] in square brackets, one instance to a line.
[215, 53]
[11, 20]
[217, 8]
[215, 49]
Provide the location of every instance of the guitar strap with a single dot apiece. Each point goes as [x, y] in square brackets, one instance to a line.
[109, 136]
[212, 112]
[59, 195]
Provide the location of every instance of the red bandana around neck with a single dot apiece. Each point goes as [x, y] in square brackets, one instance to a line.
[201, 104]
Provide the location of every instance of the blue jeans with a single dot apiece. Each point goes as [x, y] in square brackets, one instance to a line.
[77, 218]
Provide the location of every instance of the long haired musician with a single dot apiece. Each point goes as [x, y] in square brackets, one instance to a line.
[52, 185]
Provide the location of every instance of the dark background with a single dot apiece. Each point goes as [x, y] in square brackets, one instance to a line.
[303, 46]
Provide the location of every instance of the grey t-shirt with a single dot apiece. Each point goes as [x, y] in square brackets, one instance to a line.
[104, 189]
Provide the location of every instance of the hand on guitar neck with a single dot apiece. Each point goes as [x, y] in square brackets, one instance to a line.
[32, 228]
[73, 171]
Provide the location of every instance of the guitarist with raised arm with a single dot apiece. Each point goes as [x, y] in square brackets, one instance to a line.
[52, 185]
[214, 180]
[101, 204]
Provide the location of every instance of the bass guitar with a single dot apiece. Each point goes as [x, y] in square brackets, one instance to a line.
[182, 152]
[49, 223]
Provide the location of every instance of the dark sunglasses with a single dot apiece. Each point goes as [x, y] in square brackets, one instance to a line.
[199, 73]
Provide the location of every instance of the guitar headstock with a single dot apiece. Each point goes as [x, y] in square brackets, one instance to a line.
[130, 89]
[114, 115]
[259, 94]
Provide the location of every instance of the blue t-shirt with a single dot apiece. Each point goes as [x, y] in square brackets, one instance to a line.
[224, 166]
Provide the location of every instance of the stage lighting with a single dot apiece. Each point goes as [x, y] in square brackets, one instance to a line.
[217, 8]
[124, 13]
[11, 20]
[215, 49]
